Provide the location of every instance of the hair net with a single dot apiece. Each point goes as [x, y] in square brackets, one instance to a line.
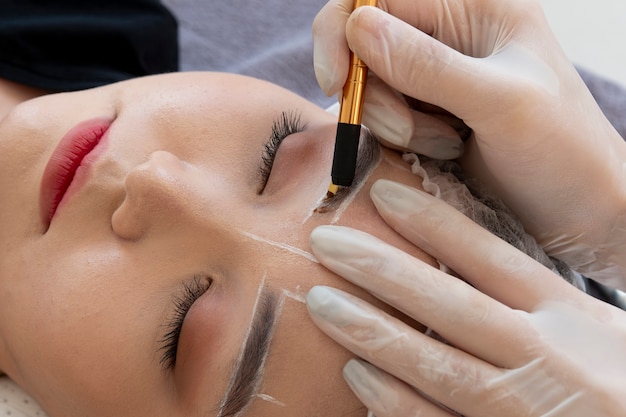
[446, 180]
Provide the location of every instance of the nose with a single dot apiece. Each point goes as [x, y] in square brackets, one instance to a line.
[161, 193]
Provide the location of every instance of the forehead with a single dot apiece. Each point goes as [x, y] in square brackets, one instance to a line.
[222, 89]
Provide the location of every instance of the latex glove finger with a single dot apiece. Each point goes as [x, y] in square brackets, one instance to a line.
[397, 126]
[447, 375]
[386, 396]
[547, 359]
[401, 350]
[486, 332]
[504, 273]
[385, 113]
[554, 383]
[417, 64]
[330, 38]
[417, 289]
[550, 347]
[330, 49]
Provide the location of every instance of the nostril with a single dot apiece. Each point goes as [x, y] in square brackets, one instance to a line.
[153, 195]
[127, 222]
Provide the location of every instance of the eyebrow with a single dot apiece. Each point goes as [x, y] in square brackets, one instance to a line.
[248, 368]
[368, 153]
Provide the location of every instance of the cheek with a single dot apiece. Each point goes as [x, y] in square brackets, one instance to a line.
[70, 337]
[54, 309]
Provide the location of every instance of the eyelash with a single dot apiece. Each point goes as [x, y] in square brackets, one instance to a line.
[288, 123]
[192, 290]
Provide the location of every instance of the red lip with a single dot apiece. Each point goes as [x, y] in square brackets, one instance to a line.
[64, 162]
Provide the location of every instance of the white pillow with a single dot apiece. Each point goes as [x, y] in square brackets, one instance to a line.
[15, 402]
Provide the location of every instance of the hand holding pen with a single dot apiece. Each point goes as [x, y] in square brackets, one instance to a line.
[496, 66]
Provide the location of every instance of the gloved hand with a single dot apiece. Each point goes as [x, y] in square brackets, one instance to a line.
[520, 341]
[539, 139]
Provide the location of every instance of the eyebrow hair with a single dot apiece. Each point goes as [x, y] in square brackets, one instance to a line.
[248, 368]
[369, 151]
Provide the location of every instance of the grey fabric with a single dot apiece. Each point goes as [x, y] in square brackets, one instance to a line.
[271, 40]
[267, 39]
[610, 96]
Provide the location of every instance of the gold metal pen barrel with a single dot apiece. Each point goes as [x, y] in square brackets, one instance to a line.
[351, 108]
[352, 99]
[349, 124]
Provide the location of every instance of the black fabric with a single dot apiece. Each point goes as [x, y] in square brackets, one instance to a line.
[66, 45]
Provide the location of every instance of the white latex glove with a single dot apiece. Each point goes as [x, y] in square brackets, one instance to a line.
[522, 342]
[539, 139]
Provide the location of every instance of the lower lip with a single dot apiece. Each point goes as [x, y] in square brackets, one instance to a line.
[69, 155]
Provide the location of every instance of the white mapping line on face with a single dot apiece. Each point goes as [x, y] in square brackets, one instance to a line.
[270, 399]
[256, 304]
[284, 246]
[297, 296]
[317, 204]
[357, 188]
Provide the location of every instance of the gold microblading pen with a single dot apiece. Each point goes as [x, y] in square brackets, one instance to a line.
[349, 126]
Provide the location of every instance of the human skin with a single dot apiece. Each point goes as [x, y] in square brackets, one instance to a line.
[172, 192]
[12, 93]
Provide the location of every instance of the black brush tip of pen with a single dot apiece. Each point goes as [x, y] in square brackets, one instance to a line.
[345, 155]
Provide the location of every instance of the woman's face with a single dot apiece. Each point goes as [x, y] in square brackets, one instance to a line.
[165, 275]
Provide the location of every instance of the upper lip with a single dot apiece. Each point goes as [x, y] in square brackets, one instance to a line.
[70, 152]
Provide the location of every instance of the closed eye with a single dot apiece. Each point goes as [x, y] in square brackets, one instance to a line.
[191, 291]
[288, 123]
